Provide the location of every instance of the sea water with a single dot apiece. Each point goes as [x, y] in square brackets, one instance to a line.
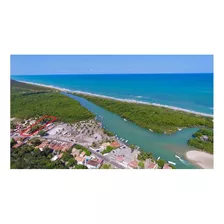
[187, 91]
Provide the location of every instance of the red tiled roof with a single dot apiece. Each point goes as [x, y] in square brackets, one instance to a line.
[93, 163]
[151, 165]
[82, 154]
[115, 144]
[133, 164]
[79, 159]
[17, 145]
[167, 166]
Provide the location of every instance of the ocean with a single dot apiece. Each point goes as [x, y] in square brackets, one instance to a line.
[186, 91]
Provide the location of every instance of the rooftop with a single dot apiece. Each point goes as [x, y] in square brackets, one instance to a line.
[115, 144]
[133, 164]
[167, 166]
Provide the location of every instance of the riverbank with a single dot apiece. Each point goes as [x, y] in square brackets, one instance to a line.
[202, 159]
[122, 100]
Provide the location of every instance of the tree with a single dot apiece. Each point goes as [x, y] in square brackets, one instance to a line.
[13, 142]
[66, 156]
[141, 165]
[71, 162]
[41, 133]
[79, 166]
[35, 141]
[105, 166]
[161, 163]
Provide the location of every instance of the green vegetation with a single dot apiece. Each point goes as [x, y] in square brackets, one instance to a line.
[172, 166]
[66, 156]
[132, 146]
[158, 119]
[141, 165]
[202, 139]
[35, 141]
[79, 166]
[109, 133]
[108, 149]
[34, 128]
[41, 133]
[83, 149]
[27, 157]
[29, 101]
[144, 155]
[105, 166]
[12, 142]
[71, 162]
[161, 163]
[12, 125]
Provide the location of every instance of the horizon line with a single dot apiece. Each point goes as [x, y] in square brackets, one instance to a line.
[116, 73]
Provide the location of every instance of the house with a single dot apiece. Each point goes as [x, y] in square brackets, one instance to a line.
[75, 152]
[115, 144]
[133, 164]
[42, 145]
[152, 165]
[80, 160]
[167, 166]
[82, 154]
[94, 163]
[17, 145]
[87, 158]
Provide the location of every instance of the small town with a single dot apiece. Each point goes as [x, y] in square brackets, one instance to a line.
[84, 145]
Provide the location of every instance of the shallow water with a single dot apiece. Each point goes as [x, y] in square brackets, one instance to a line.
[163, 146]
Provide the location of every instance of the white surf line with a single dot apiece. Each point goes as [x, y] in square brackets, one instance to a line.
[122, 100]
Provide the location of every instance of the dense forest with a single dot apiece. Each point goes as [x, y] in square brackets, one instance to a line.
[29, 101]
[202, 139]
[158, 119]
[28, 157]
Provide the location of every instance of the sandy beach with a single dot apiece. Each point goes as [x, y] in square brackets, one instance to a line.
[123, 100]
[202, 159]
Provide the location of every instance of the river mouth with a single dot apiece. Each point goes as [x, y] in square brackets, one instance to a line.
[168, 147]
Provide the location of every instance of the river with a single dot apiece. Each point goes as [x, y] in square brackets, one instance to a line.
[160, 145]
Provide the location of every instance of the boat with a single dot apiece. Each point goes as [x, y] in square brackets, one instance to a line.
[126, 141]
[125, 119]
[158, 158]
[177, 156]
[171, 163]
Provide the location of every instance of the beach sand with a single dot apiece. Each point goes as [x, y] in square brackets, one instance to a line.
[202, 159]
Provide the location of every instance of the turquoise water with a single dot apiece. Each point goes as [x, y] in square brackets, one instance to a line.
[162, 146]
[187, 91]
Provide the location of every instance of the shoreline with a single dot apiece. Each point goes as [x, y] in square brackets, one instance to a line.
[118, 99]
[200, 158]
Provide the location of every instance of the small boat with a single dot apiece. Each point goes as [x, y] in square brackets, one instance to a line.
[177, 156]
[171, 163]
[158, 158]
[125, 119]
[126, 141]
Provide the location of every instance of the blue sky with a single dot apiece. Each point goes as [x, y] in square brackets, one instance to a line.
[109, 64]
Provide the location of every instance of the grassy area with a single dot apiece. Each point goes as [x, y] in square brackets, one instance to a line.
[204, 144]
[107, 150]
[29, 101]
[158, 119]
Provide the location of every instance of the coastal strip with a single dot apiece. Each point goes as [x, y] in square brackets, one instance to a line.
[118, 99]
[202, 159]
